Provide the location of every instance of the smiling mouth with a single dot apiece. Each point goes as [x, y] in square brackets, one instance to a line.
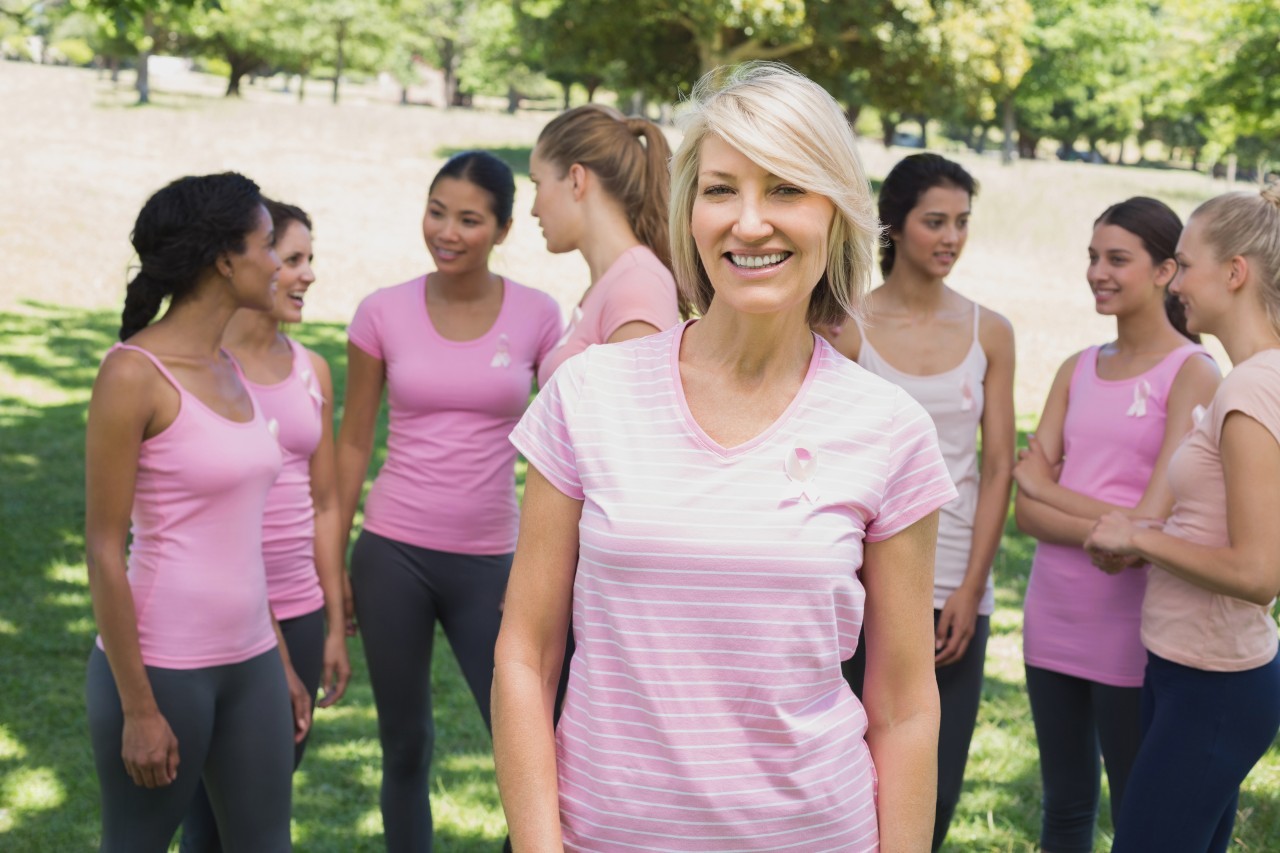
[755, 262]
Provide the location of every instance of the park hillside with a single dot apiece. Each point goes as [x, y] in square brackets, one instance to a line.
[1185, 82]
[80, 157]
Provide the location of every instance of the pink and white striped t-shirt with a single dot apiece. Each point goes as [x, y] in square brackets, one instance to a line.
[716, 594]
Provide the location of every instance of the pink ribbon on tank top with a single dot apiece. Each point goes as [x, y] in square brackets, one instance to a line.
[966, 394]
[1141, 392]
[801, 466]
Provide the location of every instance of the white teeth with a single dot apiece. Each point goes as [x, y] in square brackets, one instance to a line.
[756, 261]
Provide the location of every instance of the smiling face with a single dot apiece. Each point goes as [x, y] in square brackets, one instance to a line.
[253, 272]
[459, 227]
[1122, 274]
[296, 276]
[762, 240]
[934, 231]
[1201, 282]
[554, 205]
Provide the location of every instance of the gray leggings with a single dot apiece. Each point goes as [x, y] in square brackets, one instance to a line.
[401, 591]
[960, 694]
[233, 724]
[304, 637]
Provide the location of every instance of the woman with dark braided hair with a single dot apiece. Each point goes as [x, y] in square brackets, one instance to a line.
[185, 680]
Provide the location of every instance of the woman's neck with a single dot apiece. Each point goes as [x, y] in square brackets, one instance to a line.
[472, 286]
[252, 332]
[195, 325]
[1145, 332]
[913, 289]
[1245, 332]
[752, 347]
[607, 237]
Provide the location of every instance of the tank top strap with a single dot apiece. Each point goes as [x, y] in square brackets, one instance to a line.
[155, 360]
[977, 317]
[1174, 360]
[867, 354]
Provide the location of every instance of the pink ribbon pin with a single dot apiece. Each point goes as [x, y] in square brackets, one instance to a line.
[801, 466]
[1141, 392]
[501, 358]
[966, 394]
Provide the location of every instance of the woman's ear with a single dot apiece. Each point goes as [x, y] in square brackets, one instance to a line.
[1165, 272]
[1237, 272]
[578, 176]
[223, 265]
[502, 233]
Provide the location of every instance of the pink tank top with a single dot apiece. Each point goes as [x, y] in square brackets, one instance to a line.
[1079, 620]
[954, 399]
[294, 406]
[195, 562]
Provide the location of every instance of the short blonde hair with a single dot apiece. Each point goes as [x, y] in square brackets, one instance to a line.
[1248, 224]
[789, 126]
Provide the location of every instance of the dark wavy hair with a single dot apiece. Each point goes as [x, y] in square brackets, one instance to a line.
[911, 178]
[282, 215]
[179, 235]
[1158, 228]
[489, 174]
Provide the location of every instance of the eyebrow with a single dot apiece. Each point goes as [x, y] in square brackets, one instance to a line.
[710, 173]
[438, 203]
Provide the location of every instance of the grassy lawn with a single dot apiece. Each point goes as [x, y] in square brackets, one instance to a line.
[48, 792]
[79, 162]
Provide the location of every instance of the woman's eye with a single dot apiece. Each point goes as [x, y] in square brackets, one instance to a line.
[716, 189]
[787, 189]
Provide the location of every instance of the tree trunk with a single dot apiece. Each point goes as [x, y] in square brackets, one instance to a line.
[1231, 168]
[513, 99]
[114, 64]
[924, 131]
[1007, 126]
[143, 82]
[337, 65]
[240, 66]
[637, 104]
[447, 62]
[851, 114]
[888, 127]
[591, 86]
[302, 86]
[566, 86]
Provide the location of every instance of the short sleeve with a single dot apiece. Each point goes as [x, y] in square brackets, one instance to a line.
[364, 331]
[639, 295]
[544, 435]
[917, 481]
[1253, 390]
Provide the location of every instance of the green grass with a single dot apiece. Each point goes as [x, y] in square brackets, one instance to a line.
[48, 791]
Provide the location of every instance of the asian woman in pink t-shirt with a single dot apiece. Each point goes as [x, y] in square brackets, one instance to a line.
[719, 506]
[456, 352]
[602, 185]
[1114, 416]
[1211, 699]
[301, 543]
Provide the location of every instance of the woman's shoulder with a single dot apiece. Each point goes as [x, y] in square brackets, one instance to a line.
[524, 295]
[638, 264]
[395, 294]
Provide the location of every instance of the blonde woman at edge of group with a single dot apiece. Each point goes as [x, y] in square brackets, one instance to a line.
[956, 359]
[720, 505]
[1211, 698]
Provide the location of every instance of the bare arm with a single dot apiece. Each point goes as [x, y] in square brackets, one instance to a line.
[1248, 568]
[1039, 464]
[121, 411]
[958, 620]
[634, 329]
[901, 689]
[330, 550]
[366, 377]
[527, 663]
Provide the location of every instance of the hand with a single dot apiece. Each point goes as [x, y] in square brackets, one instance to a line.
[1114, 564]
[337, 668]
[349, 605]
[1111, 535]
[149, 750]
[1032, 472]
[301, 703]
[956, 626]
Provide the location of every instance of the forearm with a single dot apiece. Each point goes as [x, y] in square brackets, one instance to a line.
[114, 612]
[905, 752]
[524, 755]
[1049, 525]
[330, 564]
[1226, 571]
[1073, 503]
[988, 525]
[352, 467]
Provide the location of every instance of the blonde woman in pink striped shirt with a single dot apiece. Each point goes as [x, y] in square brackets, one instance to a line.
[720, 507]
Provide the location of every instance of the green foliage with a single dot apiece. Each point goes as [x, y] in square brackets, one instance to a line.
[75, 51]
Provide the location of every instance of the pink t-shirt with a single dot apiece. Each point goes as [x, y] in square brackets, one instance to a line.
[1185, 623]
[448, 482]
[716, 593]
[294, 407]
[195, 562]
[1078, 620]
[636, 288]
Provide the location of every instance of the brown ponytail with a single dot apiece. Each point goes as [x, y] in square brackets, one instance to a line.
[630, 157]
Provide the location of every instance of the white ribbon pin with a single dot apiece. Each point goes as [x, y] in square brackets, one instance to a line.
[801, 466]
[1141, 392]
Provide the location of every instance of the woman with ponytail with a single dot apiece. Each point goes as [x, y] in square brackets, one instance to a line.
[602, 184]
[301, 543]
[185, 679]
[1115, 414]
[1211, 698]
